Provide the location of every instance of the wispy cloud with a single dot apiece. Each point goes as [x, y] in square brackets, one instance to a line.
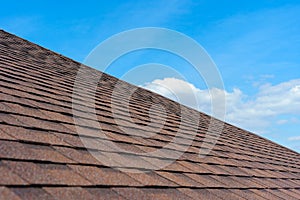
[297, 138]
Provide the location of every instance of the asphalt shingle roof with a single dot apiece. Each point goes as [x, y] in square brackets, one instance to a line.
[43, 157]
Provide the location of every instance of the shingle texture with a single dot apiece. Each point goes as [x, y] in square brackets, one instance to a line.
[43, 157]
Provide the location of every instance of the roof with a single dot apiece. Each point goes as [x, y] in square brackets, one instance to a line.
[44, 156]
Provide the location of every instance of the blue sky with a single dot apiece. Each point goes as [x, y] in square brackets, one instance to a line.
[255, 44]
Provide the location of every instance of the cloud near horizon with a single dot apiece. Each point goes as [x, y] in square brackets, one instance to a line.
[279, 104]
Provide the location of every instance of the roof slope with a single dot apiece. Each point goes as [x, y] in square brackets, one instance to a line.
[42, 156]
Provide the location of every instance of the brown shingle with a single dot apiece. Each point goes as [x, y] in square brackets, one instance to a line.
[9, 119]
[179, 179]
[196, 167]
[41, 124]
[10, 178]
[246, 182]
[105, 193]
[234, 170]
[225, 194]
[69, 140]
[231, 181]
[23, 110]
[164, 194]
[120, 159]
[28, 135]
[177, 167]
[6, 193]
[17, 150]
[4, 135]
[261, 193]
[289, 193]
[74, 193]
[206, 180]
[78, 155]
[105, 176]
[280, 194]
[151, 179]
[31, 193]
[247, 194]
[131, 193]
[48, 174]
[215, 169]
[199, 194]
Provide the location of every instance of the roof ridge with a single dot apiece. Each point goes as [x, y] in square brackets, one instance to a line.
[41, 47]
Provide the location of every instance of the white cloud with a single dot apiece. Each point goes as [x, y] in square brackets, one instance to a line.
[297, 138]
[254, 114]
[174, 89]
[282, 121]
